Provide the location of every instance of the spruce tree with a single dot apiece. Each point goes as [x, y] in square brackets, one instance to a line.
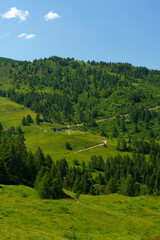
[3, 173]
[37, 119]
[1, 128]
[111, 186]
[29, 118]
[39, 159]
[92, 190]
[128, 186]
[23, 121]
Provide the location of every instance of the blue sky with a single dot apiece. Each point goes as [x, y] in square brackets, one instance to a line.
[100, 30]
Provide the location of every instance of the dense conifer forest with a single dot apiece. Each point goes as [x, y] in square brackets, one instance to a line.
[131, 176]
[66, 90]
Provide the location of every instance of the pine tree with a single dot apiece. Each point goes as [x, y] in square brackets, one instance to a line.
[30, 172]
[48, 161]
[48, 183]
[39, 159]
[19, 130]
[135, 128]
[3, 173]
[76, 185]
[157, 183]
[111, 186]
[66, 182]
[92, 190]
[29, 118]
[37, 119]
[62, 166]
[123, 127]
[114, 132]
[23, 121]
[83, 165]
[100, 163]
[68, 146]
[1, 128]
[128, 186]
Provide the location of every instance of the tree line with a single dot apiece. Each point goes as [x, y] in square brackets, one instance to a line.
[131, 176]
[20, 166]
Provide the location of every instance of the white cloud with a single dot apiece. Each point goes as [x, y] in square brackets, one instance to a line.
[51, 16]
[26, 36]
[15, 13]
[30, 36]
[22, 35]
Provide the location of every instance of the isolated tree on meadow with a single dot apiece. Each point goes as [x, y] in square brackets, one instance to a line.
[29, 118]
[23, 121]
[68, 146]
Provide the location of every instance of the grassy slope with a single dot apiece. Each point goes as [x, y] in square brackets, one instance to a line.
[53, 143]
[24, 216]
[11, 113]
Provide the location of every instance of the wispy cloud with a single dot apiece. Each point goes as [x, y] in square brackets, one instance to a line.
[51, 16]
[26, 36]
[4, 35]
[29, 36]
[22, 35]
[15, 13]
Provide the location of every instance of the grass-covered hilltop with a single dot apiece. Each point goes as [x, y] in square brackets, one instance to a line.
[79, 150]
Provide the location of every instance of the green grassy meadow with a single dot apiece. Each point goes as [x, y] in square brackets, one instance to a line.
[23, 215]
[11, 113]
[53, 143]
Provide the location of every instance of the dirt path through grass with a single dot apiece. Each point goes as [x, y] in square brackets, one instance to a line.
[99, 145]
[40, 128]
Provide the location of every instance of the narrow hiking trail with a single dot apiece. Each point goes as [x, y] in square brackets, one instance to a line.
[100, 120]
[99, 145]
[40, 128]
[107, 119]
[154, 108]
[82, 150]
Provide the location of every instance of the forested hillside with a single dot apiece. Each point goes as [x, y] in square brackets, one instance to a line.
[98, 170]
[69, 91]
[66, 90]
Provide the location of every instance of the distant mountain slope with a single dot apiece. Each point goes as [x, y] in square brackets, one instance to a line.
[66, 90]
[8, 60]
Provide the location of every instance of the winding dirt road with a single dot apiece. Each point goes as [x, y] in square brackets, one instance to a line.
[107, 119]
[99, 145]
[100, 120]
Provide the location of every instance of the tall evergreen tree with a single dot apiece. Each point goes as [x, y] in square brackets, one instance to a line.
[37, 119]
[111, 186]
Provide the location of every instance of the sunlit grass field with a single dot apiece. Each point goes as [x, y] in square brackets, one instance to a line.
[11, 113]
[54, 143]
[23, 215]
